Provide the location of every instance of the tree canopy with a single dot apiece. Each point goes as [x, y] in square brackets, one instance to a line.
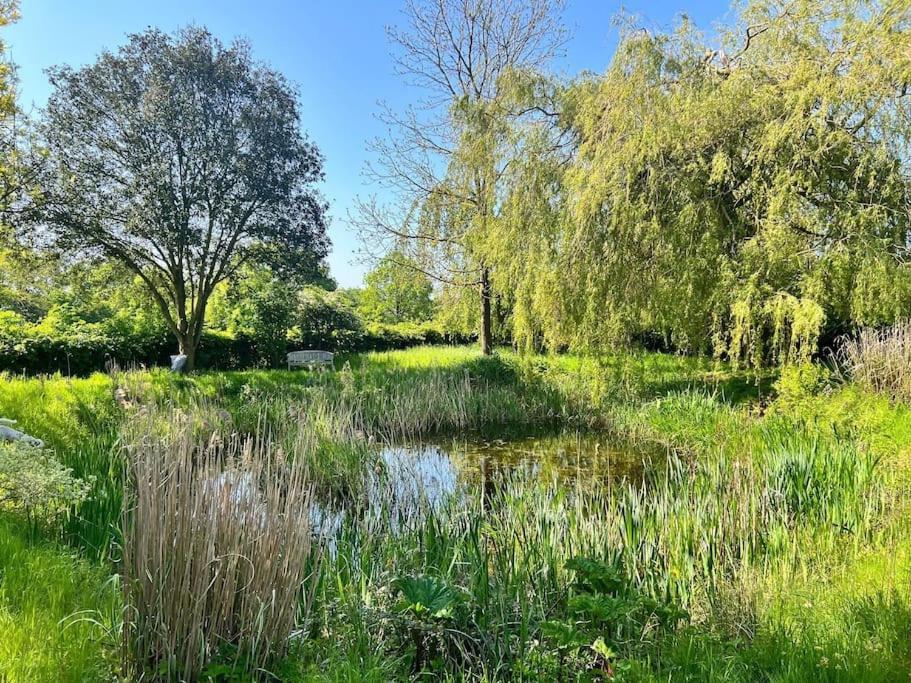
[745, 197]
[396, 292]
[182, 159]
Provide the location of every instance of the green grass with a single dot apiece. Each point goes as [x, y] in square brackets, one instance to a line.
[779, 522]
[56, 611]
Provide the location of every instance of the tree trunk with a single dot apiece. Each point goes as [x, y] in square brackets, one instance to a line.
[186, 345]
[485, 337]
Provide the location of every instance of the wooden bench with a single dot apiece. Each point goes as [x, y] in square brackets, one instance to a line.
[309, 359]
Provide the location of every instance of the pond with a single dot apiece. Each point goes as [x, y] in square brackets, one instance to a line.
[409, 479]
[439, 467]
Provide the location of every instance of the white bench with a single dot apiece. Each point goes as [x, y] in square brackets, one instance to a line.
[309, 359]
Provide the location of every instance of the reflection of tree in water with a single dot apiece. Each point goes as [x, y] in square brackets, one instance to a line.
[566, 457]
[412, 480]
[417, 474]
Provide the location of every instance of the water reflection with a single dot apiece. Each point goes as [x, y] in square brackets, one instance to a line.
[411, 480]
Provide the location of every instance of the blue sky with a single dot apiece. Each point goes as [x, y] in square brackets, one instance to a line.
[334, 50]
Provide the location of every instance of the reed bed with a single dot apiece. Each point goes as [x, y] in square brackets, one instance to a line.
[879, 360]
[216, 552]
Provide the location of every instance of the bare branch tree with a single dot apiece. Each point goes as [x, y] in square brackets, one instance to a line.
[441, 165]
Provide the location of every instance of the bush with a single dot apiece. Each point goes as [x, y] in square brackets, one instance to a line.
[34, 481]
[799, 383]
[84, 353]
[321, 324]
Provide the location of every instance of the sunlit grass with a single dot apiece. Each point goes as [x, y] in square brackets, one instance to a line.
[55, 612]
[781, 526]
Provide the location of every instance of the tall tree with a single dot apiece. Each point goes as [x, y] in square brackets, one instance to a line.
[442, 167]
[8, 120]
[17, 172]
[746, 196]
[396, 292]
[183, 159]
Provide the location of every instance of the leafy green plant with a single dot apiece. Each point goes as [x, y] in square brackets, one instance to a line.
[428, 605]
[603, 612]
[33, 480]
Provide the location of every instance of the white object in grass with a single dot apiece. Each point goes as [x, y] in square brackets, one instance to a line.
[309, 359]
[7, 433]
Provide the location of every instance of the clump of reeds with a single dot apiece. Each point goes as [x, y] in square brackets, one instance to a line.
[880, 360]
[216, 551]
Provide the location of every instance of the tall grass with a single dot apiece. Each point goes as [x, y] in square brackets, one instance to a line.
[217, 525]
[686, 534]
[57, 611]
[217, 545]
[880, 360]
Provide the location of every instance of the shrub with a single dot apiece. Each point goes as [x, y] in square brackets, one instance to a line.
[33, 480]
[799, 383]
[323, 322]
[92, 349]
[215, 554]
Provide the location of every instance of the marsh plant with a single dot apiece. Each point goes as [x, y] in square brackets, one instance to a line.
[880, 360]
[511, 594]
[216, 552]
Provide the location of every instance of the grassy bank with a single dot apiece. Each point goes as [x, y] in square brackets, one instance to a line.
[769, 544]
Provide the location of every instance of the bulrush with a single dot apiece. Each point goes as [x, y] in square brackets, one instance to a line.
[216, 552]
[880, 360]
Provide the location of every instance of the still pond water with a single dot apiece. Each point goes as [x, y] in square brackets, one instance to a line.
[409, 479]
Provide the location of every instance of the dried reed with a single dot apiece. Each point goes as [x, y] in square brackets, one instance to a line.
[217, 546]
[880, 360]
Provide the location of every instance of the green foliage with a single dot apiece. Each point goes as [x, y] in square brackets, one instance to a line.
[796, 384]
[259, 306]
[746, 196]
[212, 117]
[395, 292]
[321, 321]
[426, 597]
[33, 480]
[783, 537]
[605, 607]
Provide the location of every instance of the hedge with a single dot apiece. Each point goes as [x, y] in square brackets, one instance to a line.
[82, 354]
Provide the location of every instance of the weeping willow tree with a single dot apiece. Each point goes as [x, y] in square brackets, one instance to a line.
[746, 197]
[441, 171]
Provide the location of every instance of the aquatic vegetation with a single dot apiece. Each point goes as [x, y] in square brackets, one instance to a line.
[880, 360]
[216, 551]
[681, 542]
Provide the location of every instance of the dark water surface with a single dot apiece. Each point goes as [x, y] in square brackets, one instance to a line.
[411, 479]
[434, 469]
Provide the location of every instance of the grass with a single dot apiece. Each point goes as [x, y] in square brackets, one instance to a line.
[56, 611]
[770, 544]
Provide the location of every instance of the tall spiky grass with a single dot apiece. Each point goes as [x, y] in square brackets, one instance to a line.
[687, 532]
[880, 360]
[217, 546]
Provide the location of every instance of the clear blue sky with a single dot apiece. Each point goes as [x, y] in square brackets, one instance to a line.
[334, 50]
